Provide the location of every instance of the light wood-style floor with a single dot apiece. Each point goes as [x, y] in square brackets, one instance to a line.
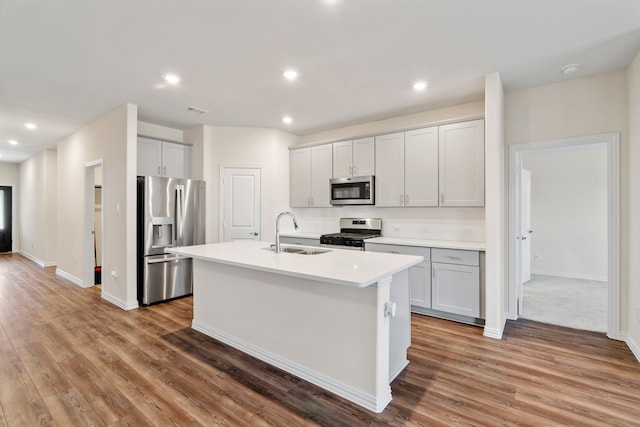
[68, 358]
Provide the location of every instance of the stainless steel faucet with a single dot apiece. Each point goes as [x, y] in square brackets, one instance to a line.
[295, 224]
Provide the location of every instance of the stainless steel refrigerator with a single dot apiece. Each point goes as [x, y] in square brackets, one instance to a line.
[171, 213]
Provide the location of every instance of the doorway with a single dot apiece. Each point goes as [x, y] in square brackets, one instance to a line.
[241, 203]
[93, 229]
[6, 218]
[555, 224]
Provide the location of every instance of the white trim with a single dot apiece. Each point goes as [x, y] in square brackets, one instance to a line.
[38, 260]
[393, 375]
[633, 346]
[611, 140]
[221, 196]
[125, 305]
[354, 395]
[570, 275]
[494, 333]
[73, 279]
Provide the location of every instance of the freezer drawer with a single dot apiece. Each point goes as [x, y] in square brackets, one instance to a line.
[166, 277]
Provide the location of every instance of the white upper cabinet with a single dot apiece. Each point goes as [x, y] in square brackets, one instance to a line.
[300, 177]
[163, 158]
[462, 164]
[321, 171]
[390, 169]
[421, 167]
[310, 171]
[354, 158]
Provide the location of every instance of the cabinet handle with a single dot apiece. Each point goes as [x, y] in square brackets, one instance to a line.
[355, 171]
[441, 197]
[454, 257]
[164, 171]
[401, 199]
[159, 171]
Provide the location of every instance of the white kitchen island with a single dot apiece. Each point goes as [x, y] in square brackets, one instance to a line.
[325, 318]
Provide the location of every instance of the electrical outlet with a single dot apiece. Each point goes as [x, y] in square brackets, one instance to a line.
[114, 274]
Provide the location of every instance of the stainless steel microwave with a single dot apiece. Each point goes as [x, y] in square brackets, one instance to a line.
[357, 190]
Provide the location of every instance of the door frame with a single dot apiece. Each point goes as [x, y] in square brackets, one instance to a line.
[88, 260]
[224, 167]
[516, 151]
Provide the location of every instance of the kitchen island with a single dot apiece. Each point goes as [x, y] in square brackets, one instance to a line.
[337, 319]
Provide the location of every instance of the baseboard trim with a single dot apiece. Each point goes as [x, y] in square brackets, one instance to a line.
[570, 275]
[366, 400]
[73, 279]
[125, 305]
[495, 333]
[38, 260]
[633, 346]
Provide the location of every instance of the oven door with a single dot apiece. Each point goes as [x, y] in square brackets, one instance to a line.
[353, 191]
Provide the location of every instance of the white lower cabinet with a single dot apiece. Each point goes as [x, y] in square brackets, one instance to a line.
[446, 284]
[419, 274]
[303, 241]
[455, 282]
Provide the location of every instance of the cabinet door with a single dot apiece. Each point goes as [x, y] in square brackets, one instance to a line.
[149, 157]
[342, 159]
[461, 150]
[390, 169]
[455, 289]
[420, 284]
[421, 167]
[300, 177]
[364, 157]
[321, 173]
[173, 160]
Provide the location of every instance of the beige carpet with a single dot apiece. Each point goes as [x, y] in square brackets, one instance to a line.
[574, 303]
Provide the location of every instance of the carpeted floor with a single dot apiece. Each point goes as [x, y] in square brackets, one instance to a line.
[574, 303]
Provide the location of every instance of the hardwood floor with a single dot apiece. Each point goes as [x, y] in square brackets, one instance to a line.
[68, 358]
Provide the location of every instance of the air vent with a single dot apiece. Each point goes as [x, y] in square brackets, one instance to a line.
[197, 110]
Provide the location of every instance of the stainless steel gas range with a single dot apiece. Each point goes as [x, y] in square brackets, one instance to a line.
[353, 233]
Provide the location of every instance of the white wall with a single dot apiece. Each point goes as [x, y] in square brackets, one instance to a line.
[466, 224]
[495, 208]
[159, 132]
[631, 266]
[9, 176]
[233, 146]
[39, 213]
[111, 138]
[576, 107]
[569, 212]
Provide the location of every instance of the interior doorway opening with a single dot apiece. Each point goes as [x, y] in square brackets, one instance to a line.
[93, 230]
[6, 219]
[561, 261]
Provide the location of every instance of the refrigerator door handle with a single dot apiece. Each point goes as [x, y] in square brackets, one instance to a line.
[179, 214]
[168, 259]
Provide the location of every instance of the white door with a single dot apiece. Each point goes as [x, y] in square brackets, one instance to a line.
[242, 203]
[525, 235]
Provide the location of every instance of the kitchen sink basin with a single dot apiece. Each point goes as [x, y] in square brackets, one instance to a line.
[299, 250]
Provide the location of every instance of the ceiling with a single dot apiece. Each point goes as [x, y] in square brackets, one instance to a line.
[64, 63]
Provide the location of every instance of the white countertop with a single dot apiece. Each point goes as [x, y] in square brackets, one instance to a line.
[444, 244]
[339, 266]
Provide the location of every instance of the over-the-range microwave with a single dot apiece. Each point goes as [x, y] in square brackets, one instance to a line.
[357, 190]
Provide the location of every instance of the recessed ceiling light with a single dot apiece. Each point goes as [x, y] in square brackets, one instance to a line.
[172, 79]
[419, 86]
[570, 69]
[13, 142]
[30, 126]
[287, 119]
[290, 74]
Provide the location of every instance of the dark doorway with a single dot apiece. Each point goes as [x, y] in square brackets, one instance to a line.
[5, 219]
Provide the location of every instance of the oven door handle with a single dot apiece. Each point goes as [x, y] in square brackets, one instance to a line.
[349, 248]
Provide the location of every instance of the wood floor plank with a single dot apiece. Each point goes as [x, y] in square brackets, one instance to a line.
[68, 357]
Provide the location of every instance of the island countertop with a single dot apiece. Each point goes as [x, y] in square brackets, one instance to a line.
[338, 266]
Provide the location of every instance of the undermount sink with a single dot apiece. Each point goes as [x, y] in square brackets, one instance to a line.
[300, 251]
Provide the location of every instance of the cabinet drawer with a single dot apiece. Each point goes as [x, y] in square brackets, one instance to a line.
[455, 256]
[398, 249]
